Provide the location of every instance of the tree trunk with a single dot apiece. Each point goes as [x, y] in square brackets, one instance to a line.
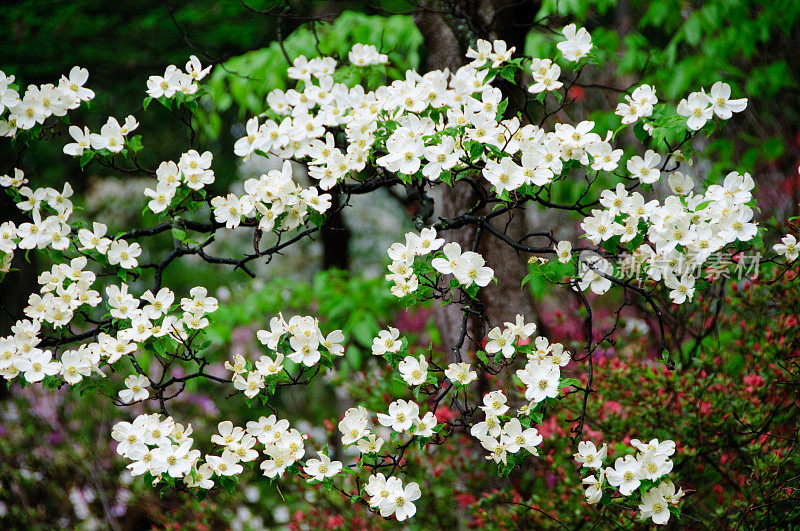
[335, 238]
[448, 29]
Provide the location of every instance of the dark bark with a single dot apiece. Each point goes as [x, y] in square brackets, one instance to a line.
[335, 238]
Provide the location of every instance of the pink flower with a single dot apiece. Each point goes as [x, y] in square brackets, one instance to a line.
[752, 381]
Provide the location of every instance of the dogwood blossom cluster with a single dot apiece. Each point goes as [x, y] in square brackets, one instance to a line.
[788, 247]
[496, 53]
[460, 373]
[643, 471]
[541, 376]
[164, 447]
[193, 169]
[303, 338]
[48, 213]
[274, 199]
[679, 234]
[542, 372]
[397, 122]
[111, 137]
[700, 107]
[366, 55]
[303, 69]
[304, 116]
[545, 76]
[354, 428]
[637, 105]
[401, 270]
[159, 447]
[283, 445]
[63, 290]
[176, 81]
[154, 445]
[427, 127]
[413, 370]
[501, 437]
[19, 354]
[577, 45]
[507, 339]
[403, 416]
[390, 497]
[67, 287]
[40, 102]
[467, 268]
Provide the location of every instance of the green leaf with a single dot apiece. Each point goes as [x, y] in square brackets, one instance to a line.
[160, 347]
[135, 143]
[475, 151]
[178, 234]
[566, 382]
[508, 73]
[501, 107]
[229, 483]
[530, 276]
[87, 155]
[639, 132]
[316, 218]
[472, 290]
[203, 345]
[146, 102]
